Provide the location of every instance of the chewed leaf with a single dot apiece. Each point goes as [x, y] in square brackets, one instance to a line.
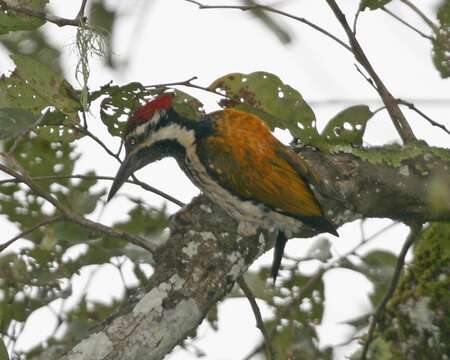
[441, 45]
[265, 95]
[57, 126]
[120, 103]
[14, 121]
[373, 4]
[347, 127]
[46, 84]
[187, 105]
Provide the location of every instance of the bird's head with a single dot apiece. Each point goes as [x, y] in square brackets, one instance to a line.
[154, 131]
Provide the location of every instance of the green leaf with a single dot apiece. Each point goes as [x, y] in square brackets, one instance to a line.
[320, 250]
[372, 4]
[57, 126]
[120, 103]
[265, 95]
[3, 352]
[187, 105]
[347, 127]
[441, 45]
[14, 21]
[13, 122]
[51, 87]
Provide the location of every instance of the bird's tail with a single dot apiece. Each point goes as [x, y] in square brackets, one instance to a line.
[280, 243]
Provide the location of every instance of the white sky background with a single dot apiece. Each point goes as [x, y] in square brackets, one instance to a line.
[172, 41]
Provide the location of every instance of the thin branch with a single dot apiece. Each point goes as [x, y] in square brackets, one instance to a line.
[99, 177]
[398, 118]
[70, 215]
[275, 11]
[22, 135]
[411, 106]
[80, 15]
[412, 237]
[346, 101]
[39, 14]
[135, 179]
[45, 222]
[355, 20]
[313, 281]
[398, 18]
[421, 14]
[188, 83]
[270, 353]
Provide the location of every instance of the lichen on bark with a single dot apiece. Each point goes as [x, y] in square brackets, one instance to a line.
[416, 323]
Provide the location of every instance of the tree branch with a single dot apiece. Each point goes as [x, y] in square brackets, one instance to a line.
[135, 179]
[205, 253]
[421, 15]
[70, 215]
[259, 321]
[395, 113]
[411, 106]
[41, 14]
[398, 18]
[45, 222]
[276, 11]
[412, 237]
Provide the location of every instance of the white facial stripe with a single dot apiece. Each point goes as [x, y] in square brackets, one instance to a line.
[172, 132]
[141, 129]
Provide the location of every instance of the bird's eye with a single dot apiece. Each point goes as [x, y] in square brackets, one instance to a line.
[132, 141]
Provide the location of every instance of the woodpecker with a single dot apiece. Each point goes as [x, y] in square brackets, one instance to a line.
[234, 159]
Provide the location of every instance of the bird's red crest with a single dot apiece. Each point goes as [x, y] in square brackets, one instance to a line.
[145, 112]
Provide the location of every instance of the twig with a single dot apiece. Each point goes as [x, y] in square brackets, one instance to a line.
[22, 135]
[276, 11]
[412, 237]
[270, 353]
[398, 18]
[421, 14]
[313, 280]
[355, 20]
[45, 222]
[399, 120]
[411, 106]
[70, 215]
[135, 179]
[346, 101]
[188, 83]
[99, 177]
[40, 14]
[80, 15]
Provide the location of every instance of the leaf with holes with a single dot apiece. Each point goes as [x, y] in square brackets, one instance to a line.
[120, 103]
[56, 126]
[187, 105]
[14, 21]
[348, 126]
[372, 4]
[51, 87]
[13, 122]
[266, 96]
[441, 45]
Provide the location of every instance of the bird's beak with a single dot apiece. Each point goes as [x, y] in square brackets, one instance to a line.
[128, 167]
